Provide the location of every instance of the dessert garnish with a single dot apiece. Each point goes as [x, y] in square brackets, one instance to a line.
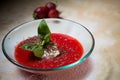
[44, 48]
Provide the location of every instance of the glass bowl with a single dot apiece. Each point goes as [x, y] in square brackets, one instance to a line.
[29, 29]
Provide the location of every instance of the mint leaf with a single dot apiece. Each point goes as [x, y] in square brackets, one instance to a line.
[38, 51]
[44, 36]
[46, 39]
[43, 30]
[29, 46]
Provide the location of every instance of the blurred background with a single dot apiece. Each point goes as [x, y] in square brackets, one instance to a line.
[101, 17]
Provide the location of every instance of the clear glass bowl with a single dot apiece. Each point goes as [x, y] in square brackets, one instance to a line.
[29, 29]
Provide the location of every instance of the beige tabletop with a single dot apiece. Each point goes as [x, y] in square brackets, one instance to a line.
[101, 17]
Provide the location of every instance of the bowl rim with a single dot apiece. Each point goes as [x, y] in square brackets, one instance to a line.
[49, 69]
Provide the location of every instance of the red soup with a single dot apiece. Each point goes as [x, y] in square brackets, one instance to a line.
[70, 51]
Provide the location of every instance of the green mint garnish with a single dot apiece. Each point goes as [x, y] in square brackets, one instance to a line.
[29, 46]
[38, 51]
[44, 36]
[44, 32]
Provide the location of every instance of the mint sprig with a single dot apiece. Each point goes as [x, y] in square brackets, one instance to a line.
[44, 36]
[44, 32]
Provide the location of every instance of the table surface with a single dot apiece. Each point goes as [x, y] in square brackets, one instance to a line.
[101, 17]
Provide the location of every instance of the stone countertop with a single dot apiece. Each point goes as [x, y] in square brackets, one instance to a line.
[101, 17]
